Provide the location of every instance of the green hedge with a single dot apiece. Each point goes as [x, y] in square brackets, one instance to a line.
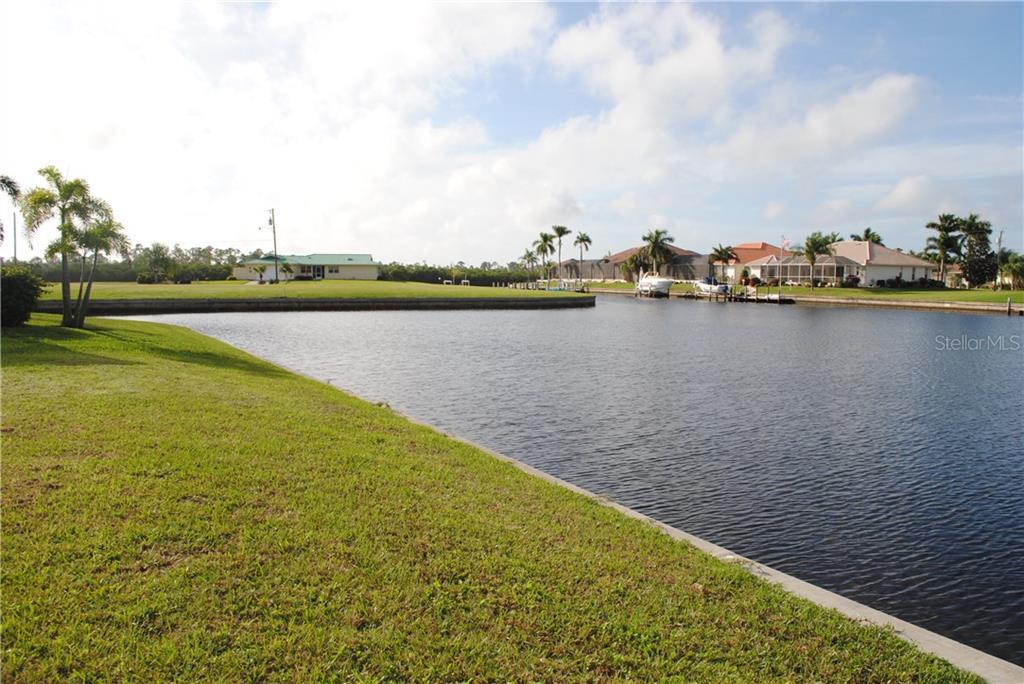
[19, 290]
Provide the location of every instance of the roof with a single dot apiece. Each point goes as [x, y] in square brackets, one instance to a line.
[747, 252]
[619, 257]
[797, 259]
[318, 260]
[870, 254]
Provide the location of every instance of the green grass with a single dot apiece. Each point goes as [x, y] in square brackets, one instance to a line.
[230, 289]
[872, 293]
[176, 509]
[908, 295]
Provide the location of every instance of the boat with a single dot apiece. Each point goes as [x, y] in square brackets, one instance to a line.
[711, 286]
[653, 285]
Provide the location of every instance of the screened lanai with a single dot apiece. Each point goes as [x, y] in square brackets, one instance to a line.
[796, 270]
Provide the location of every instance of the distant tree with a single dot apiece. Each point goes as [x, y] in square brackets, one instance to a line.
[544, 246]
[979, 264]
[583, 242]
[70, 201]
[833, 237]
[1013, 269]
[529, 260]
[817, 245]
[656, 244]
[261, 269]
[722, 255]
[560, 232]
[868, 236]
[10, 187]
[948, 225]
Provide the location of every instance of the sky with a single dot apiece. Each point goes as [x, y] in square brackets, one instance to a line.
[457, 132]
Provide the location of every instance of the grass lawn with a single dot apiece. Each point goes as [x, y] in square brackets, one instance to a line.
[176, 509]
[322, 288]
[909, 295]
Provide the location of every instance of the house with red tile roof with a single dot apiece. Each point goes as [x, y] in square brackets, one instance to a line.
[747, 252]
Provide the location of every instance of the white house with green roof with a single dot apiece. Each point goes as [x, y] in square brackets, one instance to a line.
[310, 266]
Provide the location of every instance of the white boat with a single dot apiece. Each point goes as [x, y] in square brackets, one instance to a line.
[653, 285]
[710, 286]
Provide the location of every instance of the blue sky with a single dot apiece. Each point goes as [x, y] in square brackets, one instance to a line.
[458, 132]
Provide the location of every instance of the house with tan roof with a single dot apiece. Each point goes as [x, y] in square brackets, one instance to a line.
[879, 264]
[684, 265]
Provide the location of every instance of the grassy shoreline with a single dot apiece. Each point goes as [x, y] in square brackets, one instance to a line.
[864, 293]
[344, 289]
[190, 511]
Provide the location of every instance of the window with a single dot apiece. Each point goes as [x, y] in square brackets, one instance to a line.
[305, 269]
[332, 269]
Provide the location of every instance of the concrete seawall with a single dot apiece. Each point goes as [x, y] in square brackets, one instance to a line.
[130, 307]
[957, 307]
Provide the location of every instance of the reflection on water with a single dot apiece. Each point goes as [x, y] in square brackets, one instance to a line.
[852, 448]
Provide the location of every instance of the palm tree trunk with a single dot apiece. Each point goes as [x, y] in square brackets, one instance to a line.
[559, 260]
[65, 293]
[81, 290]
[84, 305]
[942, 268]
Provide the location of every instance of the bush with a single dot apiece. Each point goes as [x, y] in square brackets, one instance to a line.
[231, 277]
[20, 290]
[755, 281]
[303, 277]
[851, 281]
[145, 278]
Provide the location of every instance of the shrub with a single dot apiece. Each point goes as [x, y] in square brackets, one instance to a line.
[755, 281]
[145, 278]
[231, 277]
[851, 281]
[774, 282]
[302, 277]
[20, 290]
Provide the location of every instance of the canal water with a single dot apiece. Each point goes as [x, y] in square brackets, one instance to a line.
[875, 453]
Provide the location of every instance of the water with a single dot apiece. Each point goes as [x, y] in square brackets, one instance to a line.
[855, 449]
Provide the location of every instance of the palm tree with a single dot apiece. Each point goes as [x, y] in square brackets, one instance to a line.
[1013, 269]
[947, 225]
[722, 255]
[288, 270]
[944, 248]
[70, 201]
[544, 245]
[9, 186]
[560, 232]
[657, 242]
[868, 236]
[529, 260]
[105, 235]
[817, 244]
[583, 242]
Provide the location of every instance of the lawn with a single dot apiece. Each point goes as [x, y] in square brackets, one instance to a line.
[354, 289]
[873, 293]
[174, 508]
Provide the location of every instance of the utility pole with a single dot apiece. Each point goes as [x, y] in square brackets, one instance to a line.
[273, 228]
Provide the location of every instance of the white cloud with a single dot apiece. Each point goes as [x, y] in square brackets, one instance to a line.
[829, 131]
[773, 210]
[909, 192]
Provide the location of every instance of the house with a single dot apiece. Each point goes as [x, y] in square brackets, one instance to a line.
[310, 266]
[795, 269]
[747, 252]
[683, 265]
[880, 264]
